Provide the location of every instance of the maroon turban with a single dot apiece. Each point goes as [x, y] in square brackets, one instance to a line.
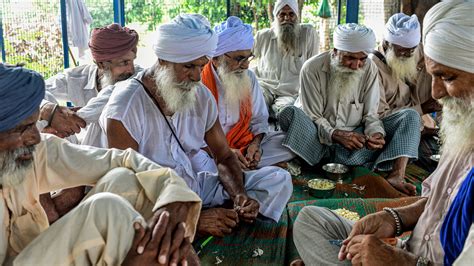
[111, 42]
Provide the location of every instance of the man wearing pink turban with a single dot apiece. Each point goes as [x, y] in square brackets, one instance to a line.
[113, 49]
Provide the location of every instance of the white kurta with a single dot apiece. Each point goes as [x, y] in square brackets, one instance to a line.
[79, 86]
[131, 105]
[272, 150]
[59, 164]
[278, 72]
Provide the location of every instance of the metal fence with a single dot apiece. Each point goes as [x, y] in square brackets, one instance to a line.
[32, 28]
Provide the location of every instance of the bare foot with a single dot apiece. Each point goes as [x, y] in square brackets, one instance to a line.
[217, 221]
[399, 184]
[297, 262]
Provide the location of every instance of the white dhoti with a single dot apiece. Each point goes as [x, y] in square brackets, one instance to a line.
[272, 153]
[271, 186]
[99, 231]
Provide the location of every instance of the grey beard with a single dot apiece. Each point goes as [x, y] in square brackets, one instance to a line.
[404, 68]
[457, 124]
[343, 79]
[106, 79]
[236, 84]
[178, 96]
[12, 171]
[287, 37]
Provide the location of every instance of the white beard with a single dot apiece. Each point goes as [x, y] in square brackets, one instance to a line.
[287, 36]
[402, 68]
[457, 124]
[13, 172]
[236, 84]
[179, 97]
[343, 79]
[106, 79]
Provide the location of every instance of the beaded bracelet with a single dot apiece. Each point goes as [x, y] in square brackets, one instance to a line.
[396, 217]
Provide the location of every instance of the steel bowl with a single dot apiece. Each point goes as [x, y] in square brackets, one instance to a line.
[315, 189]
[335, 171]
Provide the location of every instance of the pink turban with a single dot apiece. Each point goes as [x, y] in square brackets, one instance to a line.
[111, 42]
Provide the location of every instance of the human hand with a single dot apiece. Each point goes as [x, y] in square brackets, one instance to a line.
[380, 224]
[163, 241]
[376, 141]
[244, 164]
[431, 106]
[217, 221]
[370, 250]
[349, 139]
[254, 154]
[65, 121]
[247, 208]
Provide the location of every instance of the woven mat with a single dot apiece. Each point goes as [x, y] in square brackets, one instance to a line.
[276, 239]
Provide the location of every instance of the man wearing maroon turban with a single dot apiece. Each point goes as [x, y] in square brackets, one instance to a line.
[113, 49]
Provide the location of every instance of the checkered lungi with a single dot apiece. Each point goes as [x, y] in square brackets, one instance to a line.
[402, 139]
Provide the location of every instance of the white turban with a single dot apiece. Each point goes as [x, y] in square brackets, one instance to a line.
[233, 35]
[293, 4]
[448, 35]
[403, 30]
[354, 38]
[186, 38]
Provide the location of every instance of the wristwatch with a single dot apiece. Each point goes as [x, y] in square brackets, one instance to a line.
[422, 261]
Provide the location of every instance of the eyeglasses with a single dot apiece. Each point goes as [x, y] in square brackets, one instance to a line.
[241, 59]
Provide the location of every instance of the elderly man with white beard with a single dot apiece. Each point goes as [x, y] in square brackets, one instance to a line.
[404, 82]
[442, 221]
[167, 114]
[281, 52]
[242, 111]
[138, 213]
[113, 48]
[336, 112]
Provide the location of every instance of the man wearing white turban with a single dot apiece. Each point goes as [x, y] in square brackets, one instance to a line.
[441, 221]
[167, 114]
[404, 82]
[281, 52]
[242, 111]
[336, 112]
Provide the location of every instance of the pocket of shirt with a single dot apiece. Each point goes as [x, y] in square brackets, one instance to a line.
[354, 116]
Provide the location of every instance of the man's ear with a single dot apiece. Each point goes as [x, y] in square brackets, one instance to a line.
[385, 45]
[334, 51]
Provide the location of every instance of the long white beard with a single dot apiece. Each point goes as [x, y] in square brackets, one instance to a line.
[106, 79]
[178, 96]
[457, 124]
[12, 171]
[343, 79]
[236, 84]
[287, 36]
[402, 68]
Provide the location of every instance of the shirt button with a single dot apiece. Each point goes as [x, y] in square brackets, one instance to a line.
[449, 190]
[427, 237]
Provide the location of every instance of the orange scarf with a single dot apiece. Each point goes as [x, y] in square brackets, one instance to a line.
[239, 136]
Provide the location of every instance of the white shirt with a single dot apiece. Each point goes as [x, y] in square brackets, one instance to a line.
[279, 72]
[131, 105]
[230, 115]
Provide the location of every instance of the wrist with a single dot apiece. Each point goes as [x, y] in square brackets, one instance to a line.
[398, 223]
[45, 111]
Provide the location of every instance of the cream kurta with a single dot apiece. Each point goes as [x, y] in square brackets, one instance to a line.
[278, 72]
[441, 188]
[329, 112]
[59, 164]
[396, 94]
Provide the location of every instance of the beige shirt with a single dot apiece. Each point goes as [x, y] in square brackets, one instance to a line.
[276, 71]
[396, 94]
[328, 111]
[60, 164]
[441, 188]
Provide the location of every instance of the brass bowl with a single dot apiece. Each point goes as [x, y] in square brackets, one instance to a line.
[321, 188]
[335, 171]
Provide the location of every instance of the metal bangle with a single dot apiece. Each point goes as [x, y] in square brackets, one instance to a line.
[50, 119]
[395, 216]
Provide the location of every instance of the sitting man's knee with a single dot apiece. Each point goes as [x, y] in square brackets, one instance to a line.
[105, 201]
[118, 175]
[286, 115]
